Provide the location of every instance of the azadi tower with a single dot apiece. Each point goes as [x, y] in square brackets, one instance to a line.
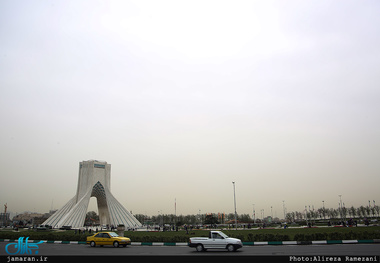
[93, 181]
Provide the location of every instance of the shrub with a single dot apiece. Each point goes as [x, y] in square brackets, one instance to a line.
[300, 234]
[320, 236]
[334, 236]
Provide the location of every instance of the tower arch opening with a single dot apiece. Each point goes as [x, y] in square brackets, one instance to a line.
[99, 193]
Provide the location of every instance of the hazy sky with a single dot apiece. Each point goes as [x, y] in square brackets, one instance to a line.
[184, 97]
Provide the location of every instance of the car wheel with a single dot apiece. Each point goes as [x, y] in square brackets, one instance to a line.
[92, 244]
[199, 247]
[230, 248]
[116, 244]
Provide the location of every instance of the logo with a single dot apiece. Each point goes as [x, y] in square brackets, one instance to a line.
[22, 247]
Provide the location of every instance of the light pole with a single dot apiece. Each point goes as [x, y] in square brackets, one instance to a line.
[306, 217]
[253, 213]
[175, 211]
[235, 206]
[161, 219]
[369, 208]
[271, 213]
[340, 207]
[323, 211]
[199, 215]
[374, 207]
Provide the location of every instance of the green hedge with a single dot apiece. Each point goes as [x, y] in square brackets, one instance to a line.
[165, 239]
[253, 237]
[338, 236]
[301, 234]
[50, 236]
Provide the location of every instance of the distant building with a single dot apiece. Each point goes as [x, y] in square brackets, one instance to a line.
[27, 216]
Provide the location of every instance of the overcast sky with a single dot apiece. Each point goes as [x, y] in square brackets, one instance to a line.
[184, 97]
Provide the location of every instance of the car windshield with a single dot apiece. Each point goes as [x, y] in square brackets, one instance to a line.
[223, 235]
[113, 234]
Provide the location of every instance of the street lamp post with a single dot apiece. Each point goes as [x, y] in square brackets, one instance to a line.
[323, 211]
[161, 218]
[271, 213]
[199, 216]
[253, 213]
[340, 206]
[306, 217]
[235, 206]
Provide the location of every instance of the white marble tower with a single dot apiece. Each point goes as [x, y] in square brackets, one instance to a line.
[93, 181]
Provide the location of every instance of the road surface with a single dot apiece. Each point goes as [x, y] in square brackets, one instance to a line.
[280, 253]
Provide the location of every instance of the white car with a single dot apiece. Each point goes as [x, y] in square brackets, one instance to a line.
[216, 240]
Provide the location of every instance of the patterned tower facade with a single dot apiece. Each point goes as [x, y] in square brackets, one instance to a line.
[93, 181]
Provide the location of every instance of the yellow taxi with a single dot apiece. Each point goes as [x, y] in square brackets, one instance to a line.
[108, 238]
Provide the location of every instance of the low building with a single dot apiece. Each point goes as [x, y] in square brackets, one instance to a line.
[29, 219]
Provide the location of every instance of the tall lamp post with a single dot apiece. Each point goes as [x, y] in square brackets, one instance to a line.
[340, 207]
[199, 215]
[323, 211]
[235, 206]
[254, 213]
[161, 219]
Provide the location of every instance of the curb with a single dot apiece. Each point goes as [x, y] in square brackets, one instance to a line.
[259, 243]
[317, 242]
[45, 241]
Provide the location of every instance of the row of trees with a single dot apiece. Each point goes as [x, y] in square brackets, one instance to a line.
[331, 213]
[199, 219]
[343, 213]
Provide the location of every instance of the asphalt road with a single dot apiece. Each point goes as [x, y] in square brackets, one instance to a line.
[280, 250]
